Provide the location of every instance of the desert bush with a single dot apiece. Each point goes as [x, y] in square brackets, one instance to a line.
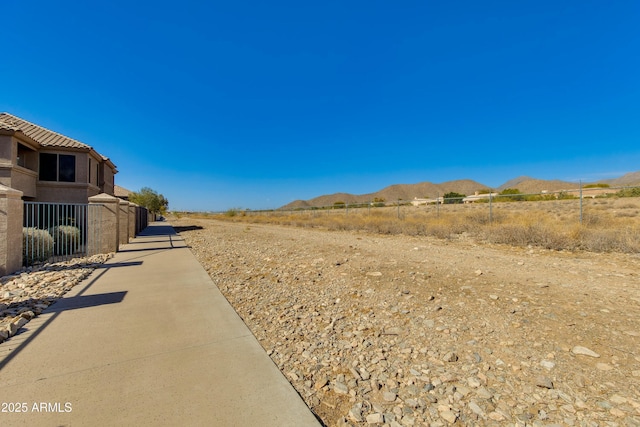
[566, 196]
[590, 219]
[453, 197]
[510, 195]
[627, 214]
[478, 217]
[536, 234]
[235, 212]
[629, 192]
[608, 240]
[629, 206]
[37, 245]
[66, 239]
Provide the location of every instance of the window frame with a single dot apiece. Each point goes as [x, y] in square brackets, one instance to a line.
[65, 169]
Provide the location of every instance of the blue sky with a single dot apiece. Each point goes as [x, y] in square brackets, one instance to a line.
[255, 104]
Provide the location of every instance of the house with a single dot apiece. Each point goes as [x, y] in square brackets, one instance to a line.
[49, 167]
[420, 202]
[122, 193]
[477, 197]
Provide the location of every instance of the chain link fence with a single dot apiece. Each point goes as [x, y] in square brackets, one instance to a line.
[491, 203]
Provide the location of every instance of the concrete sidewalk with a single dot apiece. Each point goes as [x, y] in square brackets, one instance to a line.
[147, 339]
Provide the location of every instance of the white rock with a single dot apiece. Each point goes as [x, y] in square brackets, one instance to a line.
[389, 396]
[449, 416]
[547, 364]
[340, 388]
[375, 418]
[476, 409]
[584, 351]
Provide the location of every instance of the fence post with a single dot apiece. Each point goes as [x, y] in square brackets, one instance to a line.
[580, 201]
[11, 209]
[490, 206]
[103, 224]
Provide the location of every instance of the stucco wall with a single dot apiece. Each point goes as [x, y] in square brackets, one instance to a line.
[6, 148]
[108, 181]
[5, 176]
[62, 192]
[24, 180]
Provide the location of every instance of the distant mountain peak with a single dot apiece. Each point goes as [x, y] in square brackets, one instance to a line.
[407, 192]
[512, 183]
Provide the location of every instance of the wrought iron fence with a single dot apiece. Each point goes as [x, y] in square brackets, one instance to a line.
[55, 232]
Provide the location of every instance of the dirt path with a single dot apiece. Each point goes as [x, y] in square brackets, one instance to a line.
[417, 331]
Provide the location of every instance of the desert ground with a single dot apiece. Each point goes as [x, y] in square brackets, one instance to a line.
[401, 330]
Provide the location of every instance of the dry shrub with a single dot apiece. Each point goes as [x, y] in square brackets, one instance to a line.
[548, 224]
[477, 217]
[627, 214]
[525, 234]
[590, 219]
[628, 206]
[607, 240]
[441, 230]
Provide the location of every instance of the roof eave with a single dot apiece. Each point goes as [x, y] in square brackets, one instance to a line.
[21, 136]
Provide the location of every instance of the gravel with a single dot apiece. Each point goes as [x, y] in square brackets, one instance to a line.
[398, 330]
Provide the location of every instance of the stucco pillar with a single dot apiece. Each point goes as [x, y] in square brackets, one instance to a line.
[124, 222]
[132, 220]
[103, 224]
[11, 208]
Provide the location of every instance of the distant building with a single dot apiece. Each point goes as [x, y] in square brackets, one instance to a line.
[122, 192]
[49, 167]
[478, 197]
[421, 202]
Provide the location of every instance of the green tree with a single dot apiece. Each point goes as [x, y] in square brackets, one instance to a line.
[511, 194]
[453, 197]
[155, 202]
[629, 192]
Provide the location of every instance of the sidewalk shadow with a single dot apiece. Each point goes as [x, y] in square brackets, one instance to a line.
[171, 241]
[157, 230]
[85, 301]
[187, 228]
[77, 301]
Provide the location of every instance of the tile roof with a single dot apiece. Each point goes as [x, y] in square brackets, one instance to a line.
[7, 126]
[43, 136]
[121, 191]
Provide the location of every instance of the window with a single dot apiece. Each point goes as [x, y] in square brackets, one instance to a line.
[67, 168]
[26, 157]
[48, 167]
[57, 167]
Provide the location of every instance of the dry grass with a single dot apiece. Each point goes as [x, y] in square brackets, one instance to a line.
[608, 225]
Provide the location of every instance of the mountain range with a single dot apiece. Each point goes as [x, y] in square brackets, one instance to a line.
[427, 190]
